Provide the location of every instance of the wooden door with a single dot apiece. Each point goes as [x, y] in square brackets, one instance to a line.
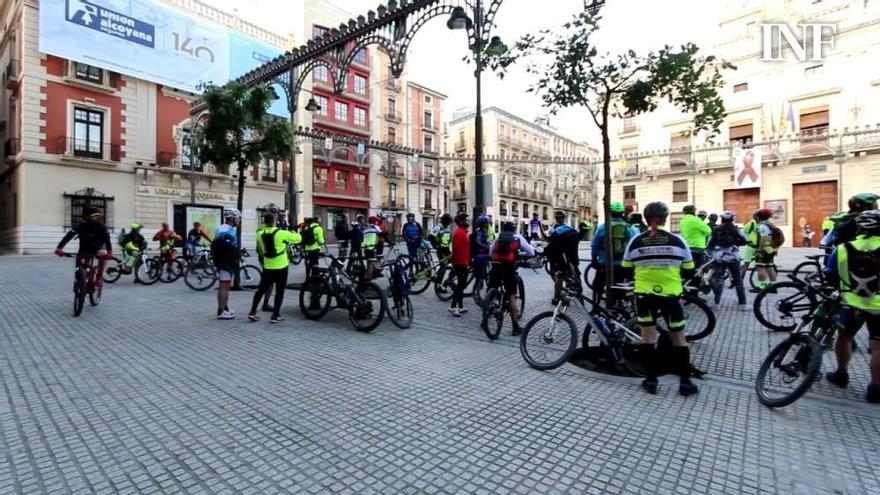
[812, 202]
[743, 202]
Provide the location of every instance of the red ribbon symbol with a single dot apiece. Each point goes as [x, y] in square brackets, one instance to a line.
[748, 170]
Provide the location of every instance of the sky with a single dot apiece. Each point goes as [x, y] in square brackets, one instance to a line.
[435, 56]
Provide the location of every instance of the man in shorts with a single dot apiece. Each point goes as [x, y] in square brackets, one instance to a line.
[225, 250]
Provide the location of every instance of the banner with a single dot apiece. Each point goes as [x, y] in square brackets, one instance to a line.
[210, 218]
[146, 40]
[746, 168]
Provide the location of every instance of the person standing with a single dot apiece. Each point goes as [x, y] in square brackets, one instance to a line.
[372, 234]
[621, 234]
[807, 234]
[480, 247]
[637, 222]
[272, 245]
[536, 228]
[267, 293]
[724, 244]
[412, 235]
[343, 235]
[695, 233]
[765, 254]
[313, 240]
[461, 260]
[713, 221]
[355, 240]
[226, 251]
[441, 237]
[504, 254]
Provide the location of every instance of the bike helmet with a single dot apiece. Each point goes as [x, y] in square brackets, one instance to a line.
[461, 219]
[231, 213]
[617, 207]
[869, 222]
[688, 210]
[135, 226]
[410, 215]
[446, 219]
[713, 217]
[559, 215]
[508, 227]
[702, 214]
[91, 211]
[727, 216]
[635, 218]
[863, 202]
[656, 210]
[374, 219]
[482, 220]
[764, 214]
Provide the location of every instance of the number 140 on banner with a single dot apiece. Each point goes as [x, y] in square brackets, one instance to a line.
[746, 168]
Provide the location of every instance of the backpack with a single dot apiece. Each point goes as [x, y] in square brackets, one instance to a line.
[123, 238]
[308, 235]
[342, 230]
[506, 244]
[222, 252]
[269, 250]
[619, 238]
[777, 238]
[726, 236]
[864, 267]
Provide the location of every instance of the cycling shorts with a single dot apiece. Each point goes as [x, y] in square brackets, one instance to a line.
[851, 320]
[370, 254]
[504, 275]
[650, 307]
[765, 259]
[224, 276]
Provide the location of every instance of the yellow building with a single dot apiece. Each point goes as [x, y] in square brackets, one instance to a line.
[812, 123]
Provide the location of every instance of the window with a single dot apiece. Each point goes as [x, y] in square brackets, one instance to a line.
[741, 87]
[392, 193]
[76, 202]
[502, 153]
[429, 143]
[88, 73]
[514, 209]
[360, 85]
[814, 125]
[341, 180]
[392, 135]
[323, 103]
[88, 133]
[361, 56]
[461, 187]
[341, 111]
[814, 71]
[629, 195]
[741, 134]
[269, 170]
[429, 169]
[545, 215]
[392, 108]
[501, 129]
[318, 31]
[360, 116]
[632, 161]
[429, 100]
[428, 119]
[320, 176]
[321, 74]
[429, 200]
[502, 208]
[675, 222]
[680, 191]
[360, 183]
[679, 144]
[462, 207]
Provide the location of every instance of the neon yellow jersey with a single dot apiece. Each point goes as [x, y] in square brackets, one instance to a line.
[861, 289]
[658, 259]
[281, 238]
[695, 232]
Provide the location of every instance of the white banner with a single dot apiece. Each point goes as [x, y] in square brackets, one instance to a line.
[746, 168]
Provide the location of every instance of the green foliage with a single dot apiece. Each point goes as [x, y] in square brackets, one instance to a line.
[239, 130]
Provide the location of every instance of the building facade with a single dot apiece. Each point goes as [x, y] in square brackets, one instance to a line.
[534, 169]
[812, 124]
[76, 135]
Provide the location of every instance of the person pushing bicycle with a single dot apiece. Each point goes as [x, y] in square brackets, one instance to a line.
[508, 246]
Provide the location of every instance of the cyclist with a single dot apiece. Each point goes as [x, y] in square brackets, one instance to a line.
[724, 245]
[370, 245]
[765, 254]
[312, 240]
[504, 256]
[855, 268]
[562, 253]
[356, 239]
[845, 229]
[133, 244]
[712, 222]
[272, 249]
[412, 234]
[536, 228]
[166, 239]
[480, 247]
[695, 232]
[441, 237]
[94, 241]
[194, 239]
[268, 293]
[342, 230]
[461, 260]
[702, 215]
[827, 225]
[226, 251]
[750, 229]
[660, 260]
[621, 234]
[585, 229]
[636, 221]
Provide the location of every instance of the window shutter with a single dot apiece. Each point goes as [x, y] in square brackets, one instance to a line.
[814, 119]
[741, 131]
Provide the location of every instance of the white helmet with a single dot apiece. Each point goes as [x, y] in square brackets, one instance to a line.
[231, 213]
[728, 216]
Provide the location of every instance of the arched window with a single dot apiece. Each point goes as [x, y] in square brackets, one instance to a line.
[502, 208]
[515, 209]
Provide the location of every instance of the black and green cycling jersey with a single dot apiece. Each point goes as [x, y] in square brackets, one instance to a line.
[658, 258]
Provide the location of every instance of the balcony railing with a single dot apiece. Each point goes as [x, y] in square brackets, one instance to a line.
[392, 84]
[459, 194]
[393, 116]
[391, 203]
[11, 147]
[96, 150]
[12, 74]
[460, 145]
[177, 160]
[354, 191]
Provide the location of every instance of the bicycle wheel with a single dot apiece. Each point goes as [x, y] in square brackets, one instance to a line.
[420, 274]
[171, 271]
[369, 307]
[400, 309]
[493, 314]
[589, 275]
[481, 291]
[548, 341]
[113, 270]
[95, 295]
[753, 278]
[295, 256]
[249, 277]
[444, 284]
[315, 298]
[797, 360]
[782, 305]
[700, 320]
[200, 276]
[147, 271]
[805, 270]
[79, 291]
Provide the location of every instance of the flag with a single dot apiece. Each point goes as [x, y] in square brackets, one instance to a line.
[782, 122]
[763, 122]
[790, 118]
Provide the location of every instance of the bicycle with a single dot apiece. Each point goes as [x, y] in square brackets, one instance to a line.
[168, 267]
[144, 270]
[295, 254]
[201, 274]
[496, 304]
[364, 300]
[399, 305]
[782, 305]
[798, 359]
[701, 319]
[84, 282]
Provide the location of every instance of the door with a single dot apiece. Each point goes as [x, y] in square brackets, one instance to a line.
[743, 202]
[811, 204]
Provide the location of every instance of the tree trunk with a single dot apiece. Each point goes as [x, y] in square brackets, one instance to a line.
[606, 205]
[242, 168]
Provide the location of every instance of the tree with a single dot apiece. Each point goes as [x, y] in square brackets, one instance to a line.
[608, 85]
[240, 132]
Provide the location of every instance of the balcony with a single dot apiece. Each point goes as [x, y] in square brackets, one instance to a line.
[459, 194]
[343, 125]
[11, 148]
[393, 171]
[12, 74]
[393, 116]
[92, 150]
[343, 189]
[430, 178]
[393, 85]
[429, 125]
[460, 146]
[177, 160]
[390, 203]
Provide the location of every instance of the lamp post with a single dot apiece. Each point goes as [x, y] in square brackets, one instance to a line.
[478, 32]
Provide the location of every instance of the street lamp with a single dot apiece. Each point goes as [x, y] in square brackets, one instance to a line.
[312, 105]
[459, 19]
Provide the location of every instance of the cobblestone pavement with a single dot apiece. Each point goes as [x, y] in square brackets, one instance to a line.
[149, 394]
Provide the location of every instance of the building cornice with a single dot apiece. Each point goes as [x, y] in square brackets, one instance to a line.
[816, 94]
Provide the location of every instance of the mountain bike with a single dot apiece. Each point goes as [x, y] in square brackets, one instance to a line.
[145, 271]
[791, 368]
[364, 300]
[84, 282]
[399, 305]
[496, 304]
[295, 254]
[168, 267]
[201, 274]
[782, 305]
[811, 271]
[700, 318]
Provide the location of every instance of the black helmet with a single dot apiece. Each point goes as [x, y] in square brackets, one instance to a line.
[635, 217]
[461, 219]
[90, 211]
[863, 202]
[508, 227]
[656, 210]
[869, 222]
[713, 217]
[410, 215]
[446, 219]
[687, 210]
